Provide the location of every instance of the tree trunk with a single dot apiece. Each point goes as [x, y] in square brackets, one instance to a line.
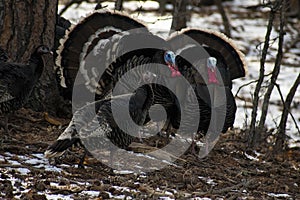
[23, 26]
[119, 4]
[179, 15]
[226, 23]
[276, 70]
[254, 136]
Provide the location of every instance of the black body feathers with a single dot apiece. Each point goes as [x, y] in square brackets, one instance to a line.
[17, 80]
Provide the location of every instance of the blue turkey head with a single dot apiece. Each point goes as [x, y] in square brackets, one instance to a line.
[169, 58]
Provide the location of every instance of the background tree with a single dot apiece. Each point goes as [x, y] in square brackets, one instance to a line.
[254, 135]
[179, 15]
[226, 23]
[278, 8]
[118, 4]
[276, 68]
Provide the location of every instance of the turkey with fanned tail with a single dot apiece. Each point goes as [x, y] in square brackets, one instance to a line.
[210, 61]
[105, 51]
[17, 81]
[103, 44]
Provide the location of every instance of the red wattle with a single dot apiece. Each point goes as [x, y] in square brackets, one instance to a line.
[174, 71]
[212, 76]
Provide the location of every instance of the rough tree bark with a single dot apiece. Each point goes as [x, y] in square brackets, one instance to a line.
[23, 26]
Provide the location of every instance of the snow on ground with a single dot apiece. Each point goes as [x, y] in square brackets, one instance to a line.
[18, 171]
[249, 35]
[21, 185]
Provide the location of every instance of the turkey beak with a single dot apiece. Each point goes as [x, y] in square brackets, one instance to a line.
[173, 63]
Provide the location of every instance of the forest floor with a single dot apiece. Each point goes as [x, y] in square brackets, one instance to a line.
[230, 171]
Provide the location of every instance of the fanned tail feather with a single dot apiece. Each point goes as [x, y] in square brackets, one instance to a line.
[60, 146]
[216, 41]
[82, 38]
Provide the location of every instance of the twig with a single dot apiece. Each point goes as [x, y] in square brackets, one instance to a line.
[162, 18]
[284, 105]
[148, 149]
[261, 5]
[225, 190]
[282, 125]
[244, 85]
[68, 5]
[249, 83]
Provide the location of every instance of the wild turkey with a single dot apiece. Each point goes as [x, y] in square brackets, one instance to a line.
[96, 128]
[212, 84]
[120, 51]
[17, 81]
[105, 51]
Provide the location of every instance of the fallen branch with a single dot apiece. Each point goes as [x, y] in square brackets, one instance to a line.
[227, 189]
[143, 148]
